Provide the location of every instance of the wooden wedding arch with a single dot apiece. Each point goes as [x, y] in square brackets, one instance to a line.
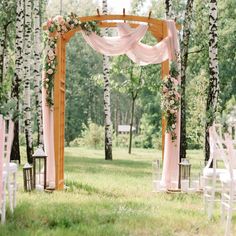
[157, 27]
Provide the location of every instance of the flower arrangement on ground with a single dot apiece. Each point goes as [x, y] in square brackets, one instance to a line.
[170, 100]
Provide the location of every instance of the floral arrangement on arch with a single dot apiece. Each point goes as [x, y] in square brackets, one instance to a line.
[56, 27]
[170, 100]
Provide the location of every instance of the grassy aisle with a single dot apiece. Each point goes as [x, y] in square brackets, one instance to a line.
[111, 198]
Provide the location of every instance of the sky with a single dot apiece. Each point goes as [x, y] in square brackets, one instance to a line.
[118, 5]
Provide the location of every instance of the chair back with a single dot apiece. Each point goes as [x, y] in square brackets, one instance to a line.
[8, 139]
[231, 154]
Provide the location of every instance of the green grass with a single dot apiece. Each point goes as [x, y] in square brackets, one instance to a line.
[111, 198]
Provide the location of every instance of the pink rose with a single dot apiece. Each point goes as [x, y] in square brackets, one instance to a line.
[165, 89]
[50, 71]
[51, 57]
[176, 82]
[50, 53]
[49, 22]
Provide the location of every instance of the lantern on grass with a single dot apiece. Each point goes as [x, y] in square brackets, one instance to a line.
[28, 177]
[184, 174]
[40, 169]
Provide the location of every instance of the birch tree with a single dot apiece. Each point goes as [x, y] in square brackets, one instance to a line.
[168, 8]
[213, 89]
[37, 76]
[17, 80]
[184, 63]
[27, 92]
[107, 108]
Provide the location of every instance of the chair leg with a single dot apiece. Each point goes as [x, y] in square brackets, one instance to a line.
[3, 209]
[10, 193]
[14, 190]
[228, 221]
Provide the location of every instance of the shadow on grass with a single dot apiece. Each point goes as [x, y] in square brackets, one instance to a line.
[82, 218]
[74, 186]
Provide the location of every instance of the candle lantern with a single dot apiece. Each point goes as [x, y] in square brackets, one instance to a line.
[156, 170]
[40, 169]
[156, 176]
[28, 177]
[184, 174]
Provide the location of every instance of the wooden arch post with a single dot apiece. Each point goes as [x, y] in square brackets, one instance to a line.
[159, 30]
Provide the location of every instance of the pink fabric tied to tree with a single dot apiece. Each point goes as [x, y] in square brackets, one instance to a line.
[128, 42]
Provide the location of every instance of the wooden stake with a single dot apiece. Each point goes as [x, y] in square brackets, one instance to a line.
[98, 12]
[150, 13]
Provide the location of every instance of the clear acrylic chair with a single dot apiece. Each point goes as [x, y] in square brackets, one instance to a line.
[228, 180]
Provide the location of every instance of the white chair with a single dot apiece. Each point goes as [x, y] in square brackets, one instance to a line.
[10, 168]
[228, 180]
[211, 172]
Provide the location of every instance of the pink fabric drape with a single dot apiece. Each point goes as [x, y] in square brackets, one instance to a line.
[48, 138]
[143, 54]
[2, 132]
[114, 46]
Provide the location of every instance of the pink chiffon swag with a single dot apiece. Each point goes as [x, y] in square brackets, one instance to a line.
[128, 42]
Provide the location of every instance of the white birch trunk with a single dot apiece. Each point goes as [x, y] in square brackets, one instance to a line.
[213, 90]
[27, 92]
[107, 109]
[168, 8]
[37, 76]
[18, 75]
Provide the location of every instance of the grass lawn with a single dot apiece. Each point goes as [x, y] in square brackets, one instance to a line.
[111, 198]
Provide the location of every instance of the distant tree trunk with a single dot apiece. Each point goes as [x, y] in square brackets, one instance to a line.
[17, 80]
[107, 108]
[168, 8]
[37, 76]
[184, 63]
[213, 89]
[134, 96]
[27, 95]
[3, 54]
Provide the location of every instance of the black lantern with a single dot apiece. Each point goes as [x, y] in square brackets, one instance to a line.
[28, 177]
[184, 174]
[40, 169]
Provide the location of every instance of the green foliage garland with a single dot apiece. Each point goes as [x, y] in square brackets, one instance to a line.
[57, 26]
[170, 100]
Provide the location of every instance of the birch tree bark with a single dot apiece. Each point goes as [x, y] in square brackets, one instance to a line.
[107, 108]
[27, 92]
[18, 75]
[168, 8]
[213, 89]
[37, 75]
[184, 63]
